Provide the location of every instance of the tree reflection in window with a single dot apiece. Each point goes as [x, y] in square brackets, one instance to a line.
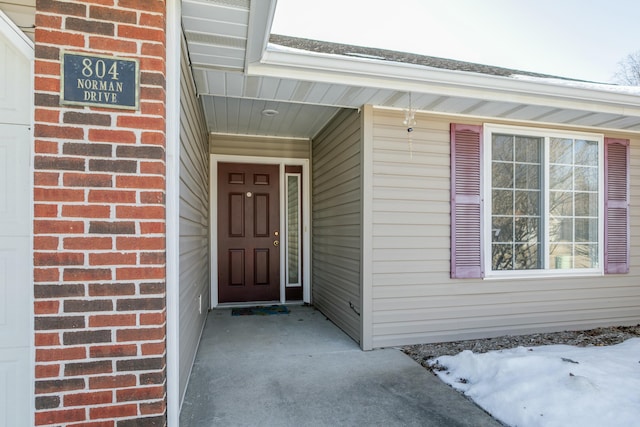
[520, 202]
[516, 202]
[293, 229]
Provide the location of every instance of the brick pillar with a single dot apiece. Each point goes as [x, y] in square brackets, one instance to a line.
[99, 228]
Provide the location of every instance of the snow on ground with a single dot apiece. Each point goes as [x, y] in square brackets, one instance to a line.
[556, 385]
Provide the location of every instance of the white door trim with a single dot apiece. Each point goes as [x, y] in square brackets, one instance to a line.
[306, 218]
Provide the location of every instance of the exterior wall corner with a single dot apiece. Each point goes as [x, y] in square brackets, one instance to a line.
[366, 284]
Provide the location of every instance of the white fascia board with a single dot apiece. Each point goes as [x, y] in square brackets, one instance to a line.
[261, 15]
[327, 68]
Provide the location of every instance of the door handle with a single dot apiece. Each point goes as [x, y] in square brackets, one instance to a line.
[276, 243]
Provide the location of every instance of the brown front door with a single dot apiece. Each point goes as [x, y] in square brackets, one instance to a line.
[248, 232]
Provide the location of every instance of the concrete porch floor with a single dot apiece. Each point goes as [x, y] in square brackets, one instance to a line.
[299, 369]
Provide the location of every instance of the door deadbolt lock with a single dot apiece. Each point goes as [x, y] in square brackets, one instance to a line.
[276, 233]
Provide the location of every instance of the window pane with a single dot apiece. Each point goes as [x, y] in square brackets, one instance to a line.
[586, 204]
[527, 203]
[527, 149]
[502, 203]
[502, 148]
[560, 177]
[516, 204]
[502, 229]
[560, 203]
[561, 256]
[293, 229]
[502, 175]
[586, 256]
[528, 176]
[586, 230]
[586, 153]
[561, 230]
[586, 179]
[561, 151]
[527, 230]
[501, 256]
[527, 257]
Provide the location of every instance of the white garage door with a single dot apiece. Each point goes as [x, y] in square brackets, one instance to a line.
[16, 311]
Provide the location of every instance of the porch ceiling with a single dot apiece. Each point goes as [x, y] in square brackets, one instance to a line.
[223, 36]
[238, 76]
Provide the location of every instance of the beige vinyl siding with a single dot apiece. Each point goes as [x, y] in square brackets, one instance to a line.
[194, 223]
[246, 145]
[414, 298]
[336, 219]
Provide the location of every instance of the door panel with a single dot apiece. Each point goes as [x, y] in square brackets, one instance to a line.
[248, 232]
[261, 215]
[236, 267]
[236, 215]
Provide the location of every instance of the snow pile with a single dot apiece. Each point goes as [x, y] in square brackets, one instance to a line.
[555, 385]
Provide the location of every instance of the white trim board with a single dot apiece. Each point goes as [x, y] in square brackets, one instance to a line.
[173, 55]
[366, 275]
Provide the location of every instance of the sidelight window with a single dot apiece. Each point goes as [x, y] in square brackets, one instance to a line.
[294, 232]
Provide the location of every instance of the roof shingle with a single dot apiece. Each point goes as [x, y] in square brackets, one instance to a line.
[401, 57]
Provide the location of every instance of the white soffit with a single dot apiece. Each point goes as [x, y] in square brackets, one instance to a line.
[216, 32]
[329, 68]
[245, 117]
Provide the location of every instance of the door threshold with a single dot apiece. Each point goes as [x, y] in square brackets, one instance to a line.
[255, 303]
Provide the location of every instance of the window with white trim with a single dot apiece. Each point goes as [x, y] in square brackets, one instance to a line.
[527, 201]
[543, 199]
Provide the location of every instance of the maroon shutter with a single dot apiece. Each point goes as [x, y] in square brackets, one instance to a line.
[466, 212]
[616, 205]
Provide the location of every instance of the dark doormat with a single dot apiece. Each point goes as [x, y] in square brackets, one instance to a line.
[260, 310]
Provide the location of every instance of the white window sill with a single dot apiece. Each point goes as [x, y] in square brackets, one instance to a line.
[545, 275]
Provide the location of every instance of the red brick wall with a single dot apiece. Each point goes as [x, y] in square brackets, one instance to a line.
[99, 228]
